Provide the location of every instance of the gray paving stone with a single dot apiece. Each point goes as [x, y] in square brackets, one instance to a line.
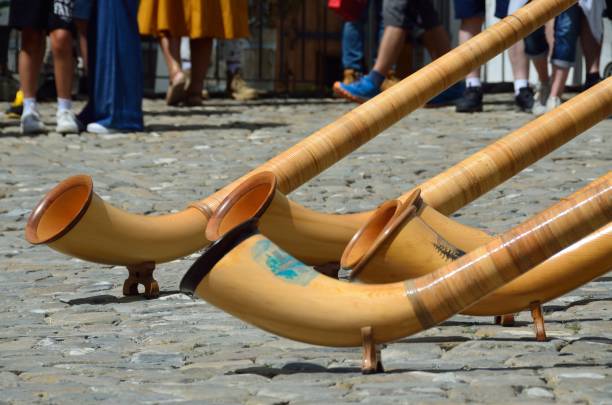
[68, 336]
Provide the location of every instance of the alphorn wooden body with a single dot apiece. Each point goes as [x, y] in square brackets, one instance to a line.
[129, 239]
[382, 251]
[246, 275]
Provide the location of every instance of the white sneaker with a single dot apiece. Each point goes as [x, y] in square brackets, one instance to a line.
[67, 122]
[32, 124]
[95, 128]
[549, 105]
[552, 103]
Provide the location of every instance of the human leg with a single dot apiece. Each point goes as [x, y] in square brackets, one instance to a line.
[171, 49]
[591, 48]
[352, 45]
[63, 62]
[567, 28]
[200, 59]
[116, 68]
[63, 66]
[30, 63]
[236, 86]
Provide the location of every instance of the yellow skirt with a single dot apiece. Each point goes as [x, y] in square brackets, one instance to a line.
[224, 19]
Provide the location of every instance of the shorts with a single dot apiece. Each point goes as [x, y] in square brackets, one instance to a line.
[38, 15]
[82, 9]
[501, 8]
[469, 8]
[410, 13]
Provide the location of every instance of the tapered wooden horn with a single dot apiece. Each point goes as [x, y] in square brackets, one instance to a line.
[293, 167]
[248, 276]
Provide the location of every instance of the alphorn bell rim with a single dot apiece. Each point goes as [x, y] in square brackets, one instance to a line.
[384, 222]
[45, 224]
[247, 192]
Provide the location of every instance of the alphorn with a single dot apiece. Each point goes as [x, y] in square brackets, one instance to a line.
[317, 238]
[248, 276]
[75, 221]
[397, 243]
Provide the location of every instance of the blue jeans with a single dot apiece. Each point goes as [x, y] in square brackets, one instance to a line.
[535, 43]
[567, 29]
[353, 38]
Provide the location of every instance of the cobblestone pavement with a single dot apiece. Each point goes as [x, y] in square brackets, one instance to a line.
[68, 336]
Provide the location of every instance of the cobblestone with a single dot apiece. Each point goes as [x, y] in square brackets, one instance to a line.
[67, 335]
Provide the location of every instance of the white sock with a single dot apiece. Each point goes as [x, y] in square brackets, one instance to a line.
[64, 104]
[473, 82]
[29, 105]
[519, 84]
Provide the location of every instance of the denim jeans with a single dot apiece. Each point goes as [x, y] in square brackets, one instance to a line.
[567, 29]
[535, 43]
[353, 38]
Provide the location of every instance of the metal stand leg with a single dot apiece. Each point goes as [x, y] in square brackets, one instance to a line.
[538, 321]
[141, 274]
[371, 362]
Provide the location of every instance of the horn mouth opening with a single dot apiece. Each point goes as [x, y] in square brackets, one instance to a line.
[384, 222]
[249, 200]
[362, 242]
[59, 210]
[215, 252]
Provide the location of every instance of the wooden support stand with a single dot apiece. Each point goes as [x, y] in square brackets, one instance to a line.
[538, 321]
[505, 320]
[141, 274]
[371, 362]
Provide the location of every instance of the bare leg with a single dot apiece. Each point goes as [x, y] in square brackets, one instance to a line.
[519, 61]
[470, 27]
[171, 50]
[541, 66]
[436, 41]
[63, 62]
[200, 58]
[389, 49]
[590, 47]
[30, 60]
[559, 77]
[81, 26]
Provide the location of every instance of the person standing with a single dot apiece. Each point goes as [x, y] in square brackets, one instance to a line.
[400, 17]
[201, 21]
[34, 18]
[114, 68]
[534, 47]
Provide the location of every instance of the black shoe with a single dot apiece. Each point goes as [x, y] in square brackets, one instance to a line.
[524, 100]
[591, 80]
[471, 100]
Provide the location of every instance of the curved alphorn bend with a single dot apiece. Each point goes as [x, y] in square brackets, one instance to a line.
[397, 244]
[248, 276]
[74, 220]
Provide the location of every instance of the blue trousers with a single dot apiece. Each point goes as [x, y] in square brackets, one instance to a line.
[353, 34]
[567, 29]
[115, 66]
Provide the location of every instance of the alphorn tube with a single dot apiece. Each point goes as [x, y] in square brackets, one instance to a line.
[289, 225]
[574, 266]
[382, 252]
[246, 275]
[293, 167]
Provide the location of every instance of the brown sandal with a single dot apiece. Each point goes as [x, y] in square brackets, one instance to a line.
[176, 90]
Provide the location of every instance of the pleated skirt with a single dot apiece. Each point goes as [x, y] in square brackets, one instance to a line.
[224, 19]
